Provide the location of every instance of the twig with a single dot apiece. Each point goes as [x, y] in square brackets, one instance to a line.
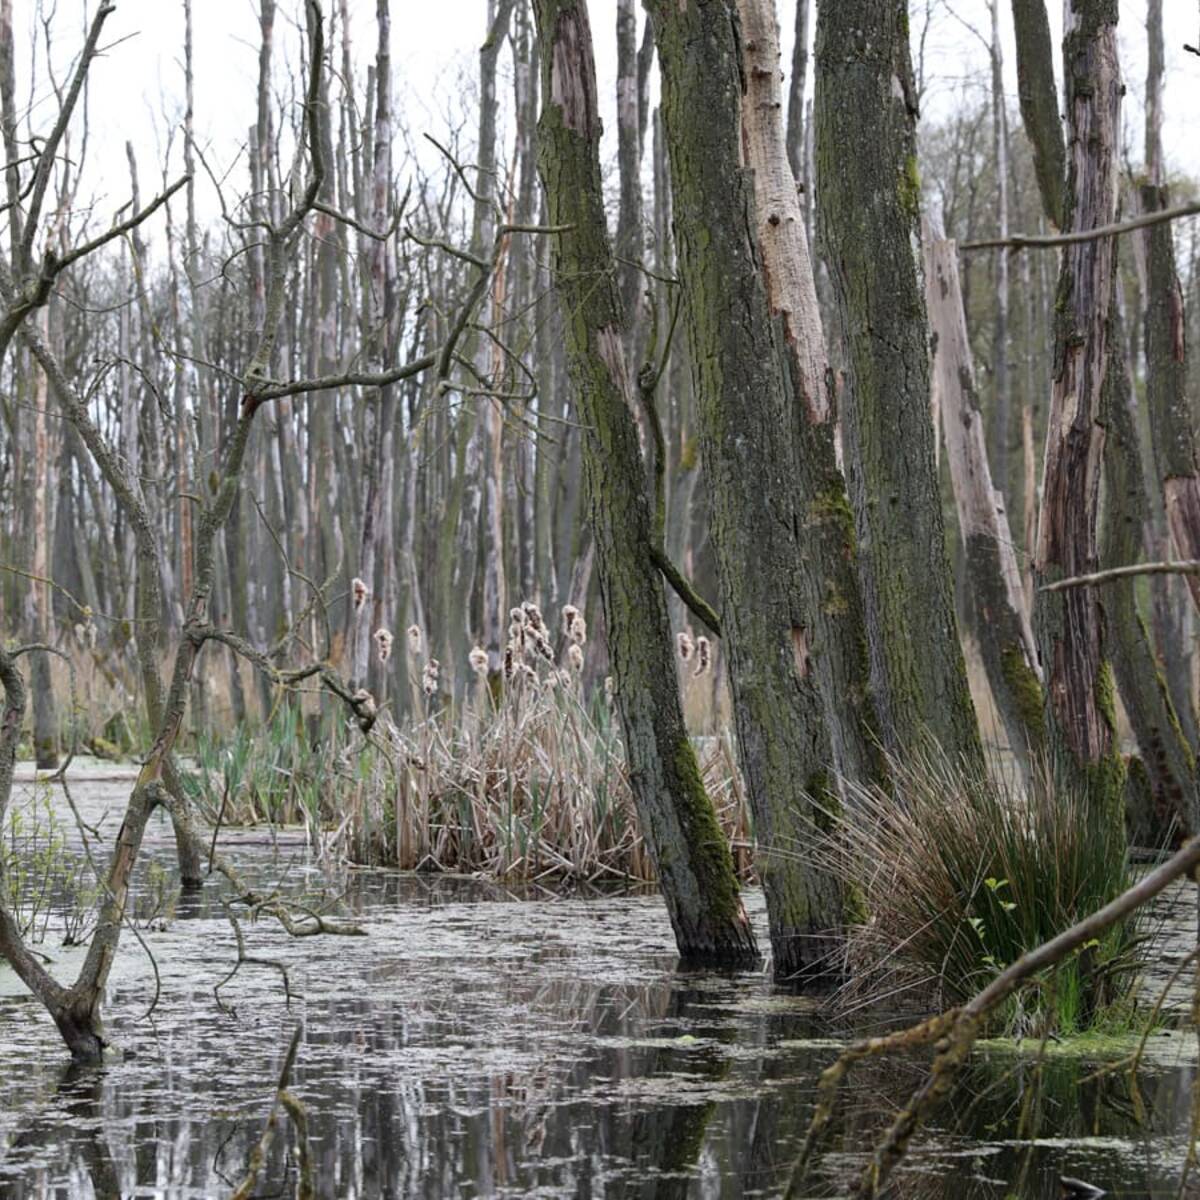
[259, 1153]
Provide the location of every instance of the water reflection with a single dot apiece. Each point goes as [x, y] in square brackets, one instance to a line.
[478, 1044]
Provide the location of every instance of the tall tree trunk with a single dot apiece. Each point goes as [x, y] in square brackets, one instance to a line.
[1001, 387]
[381, 417]
[1006, 639]
[629, 162]
[1166, 757]
[1038, 94]
[798, 81]
[691, 855]
[1070, 625]
[869, 199]
[757, 516]
[836, 643]
[1172, 436]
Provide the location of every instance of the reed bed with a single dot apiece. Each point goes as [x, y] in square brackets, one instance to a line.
[524, 780]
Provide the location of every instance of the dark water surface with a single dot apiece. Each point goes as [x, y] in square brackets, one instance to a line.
[485, 1043]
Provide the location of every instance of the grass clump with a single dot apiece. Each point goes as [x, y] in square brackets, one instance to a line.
[964, 874]
[278, 774]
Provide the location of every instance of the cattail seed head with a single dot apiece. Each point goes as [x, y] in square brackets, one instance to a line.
[703, 656]
[685, 644]
[610, 688]
[415, 640]
[383, 640]
[575, 657]
[570, 614]
[429, 677]
[533, 617]
[478, 660]
[360, 592]
[517, 616]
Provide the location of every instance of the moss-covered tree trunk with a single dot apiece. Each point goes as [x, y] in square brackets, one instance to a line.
[1171, 428]
[692, 857]
[1070, 625]
[1038, 94]
[758, 517]
[869, 197]
[1166, 758]
[837, 646]
[1006, 641]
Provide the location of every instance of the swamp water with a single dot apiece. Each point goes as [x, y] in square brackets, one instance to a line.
[486, 1043]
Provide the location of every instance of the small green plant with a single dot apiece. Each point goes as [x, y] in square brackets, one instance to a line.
[46, 888]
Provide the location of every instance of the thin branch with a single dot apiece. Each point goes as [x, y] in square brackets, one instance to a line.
[1187, 566]
[1022, 241]
[41, 177]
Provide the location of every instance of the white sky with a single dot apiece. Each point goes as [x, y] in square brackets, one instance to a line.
[136, 90]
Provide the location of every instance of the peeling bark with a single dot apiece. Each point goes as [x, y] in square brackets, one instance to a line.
[758, 520]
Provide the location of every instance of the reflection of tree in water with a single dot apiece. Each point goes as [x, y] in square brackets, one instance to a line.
[518, 1069]
[79, 1096]
[1012, 1126]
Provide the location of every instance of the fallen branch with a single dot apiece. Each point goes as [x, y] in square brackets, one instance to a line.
[259, 1154]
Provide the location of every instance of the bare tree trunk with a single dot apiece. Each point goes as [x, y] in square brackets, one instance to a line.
[1038, 94]
[797, 83]
[1006, 639]
[1166, 758]
[381, 417]
[1001, 387]
[1081, 717]
[629, 162]
[837, 645]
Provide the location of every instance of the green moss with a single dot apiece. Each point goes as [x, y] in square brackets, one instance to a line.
[909, 189]
[1105, 691]
[1026, 692]
[690, 455]
[711, 857]
[836, 604]
[832, 507]
[854, 905]
[827, 805]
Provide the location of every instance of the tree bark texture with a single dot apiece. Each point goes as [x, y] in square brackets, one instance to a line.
[692, 858]
[869, 195]
[1070, 624]
[837, 645]
[1006, 641]
[1166, 757]
[1171, 429]
[757, 518]
[1038, 95]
